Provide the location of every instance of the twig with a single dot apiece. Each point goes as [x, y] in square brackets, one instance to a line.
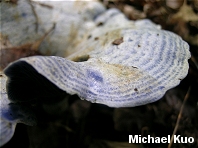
[35, 15]
[37, 43]
[43, 5]
[179, 116]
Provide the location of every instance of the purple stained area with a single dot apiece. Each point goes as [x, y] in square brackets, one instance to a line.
[10, 113]
[95, 76]
[95, 82]
[23, 14]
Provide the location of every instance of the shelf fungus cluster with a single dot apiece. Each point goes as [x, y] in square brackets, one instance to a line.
[117, 62]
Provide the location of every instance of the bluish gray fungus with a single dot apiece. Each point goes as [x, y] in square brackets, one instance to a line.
[126, 75]
[32, 85]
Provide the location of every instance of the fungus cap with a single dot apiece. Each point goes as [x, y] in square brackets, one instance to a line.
[139, 70]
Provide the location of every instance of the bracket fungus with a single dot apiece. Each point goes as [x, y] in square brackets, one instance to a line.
[118, 62]
[139, 70]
